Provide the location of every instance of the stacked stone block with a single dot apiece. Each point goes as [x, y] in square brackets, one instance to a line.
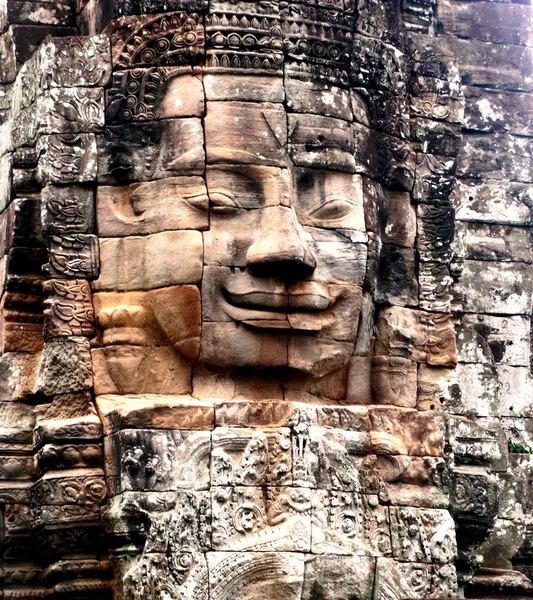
[493, 241]
[47, 320]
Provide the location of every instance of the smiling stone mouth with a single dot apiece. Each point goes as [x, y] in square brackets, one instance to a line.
[284, 303]
[305, 308]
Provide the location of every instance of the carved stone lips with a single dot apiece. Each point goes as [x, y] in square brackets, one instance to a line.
[282, 302]
[302, 296]
[299, 306]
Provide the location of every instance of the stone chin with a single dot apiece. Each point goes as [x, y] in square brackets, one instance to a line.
[238, 346]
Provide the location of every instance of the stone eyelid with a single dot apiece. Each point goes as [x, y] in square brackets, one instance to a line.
[339, 204]
[223, 202]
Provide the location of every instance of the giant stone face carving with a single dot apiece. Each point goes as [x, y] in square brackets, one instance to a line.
[283, 251]
[238, 241]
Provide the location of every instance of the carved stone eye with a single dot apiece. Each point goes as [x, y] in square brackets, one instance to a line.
[223, 203]
[333, 209]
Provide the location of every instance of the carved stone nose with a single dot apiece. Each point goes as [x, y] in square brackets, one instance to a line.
[280, 250]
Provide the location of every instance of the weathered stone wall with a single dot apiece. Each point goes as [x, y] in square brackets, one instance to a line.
[155, 442]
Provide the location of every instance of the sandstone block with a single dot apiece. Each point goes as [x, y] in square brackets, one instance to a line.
[247, 186]
[339, 258]
[479, 391]
[67, 209]
[416, 496]
[236, 132]
[317, 356]
[434, 178]
[157, 260]
[78, 486]
[365, 529]
[397, 218]
[75, 62]
[127, 369]
[438, 99]
[435, 286]
[422, 336]
[21, 328]
[17, 375]
[69, 309]
[418, 580]
[239, 413]
[167, 316]
[171, 35]
[400, 333]
[134, 574]
[248, 349]
[69, 429]
[64, 366]
[227, 242]
[329, 199]
[358, 390]
[492, 339]
[245, 518]
[146, 151]
[168, 510]
[235, 86]
[154, 412]
[7, 54]
[493, 201]
[40, 13]
[71, 110]
[332, 459]
[435, 233]
[393, 381]
[73, 256]
[516, 391]
[5, 181]
[419, 433]
[503, 156]
[350, 418]
[17, 424]
[134, 460]
[497, 66]
[349, 576]
[397, 282]
[321, 142]
[56, 457]
[487, 241]
[67, 158]
[251, 457]
[316, 97]
[495, 23]
[430, 538]
[436, 387]
[492, 110]
[144, 208]
[282, 578]
[474, 491]
[435, 137]
[506, 287]
[144, 94]
[472, 443]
